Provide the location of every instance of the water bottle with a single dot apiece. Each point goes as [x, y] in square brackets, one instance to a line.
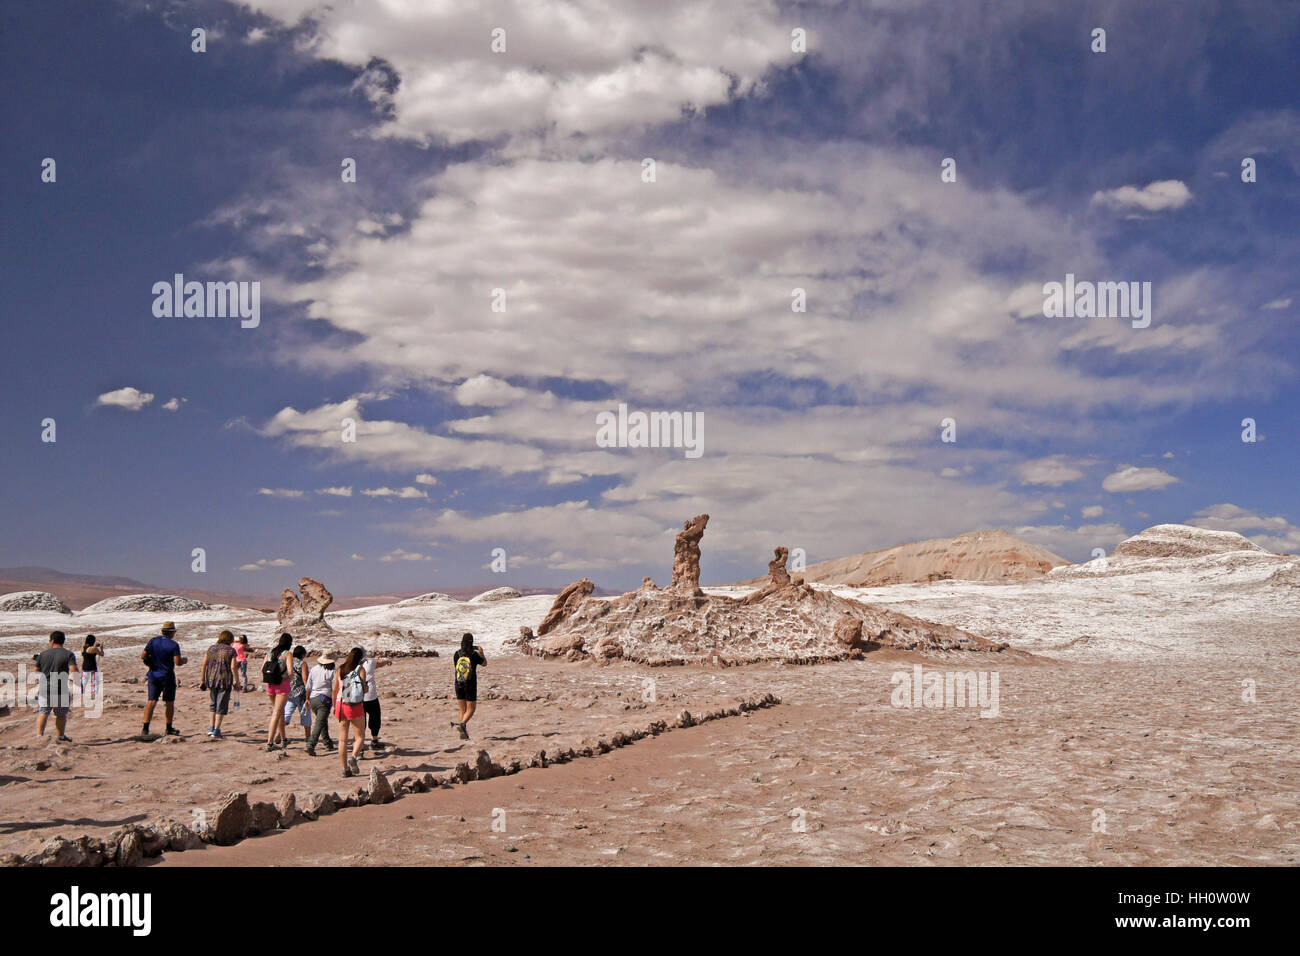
[237, 701]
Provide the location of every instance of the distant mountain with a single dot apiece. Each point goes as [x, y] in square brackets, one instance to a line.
[975, 556]
[78, 591]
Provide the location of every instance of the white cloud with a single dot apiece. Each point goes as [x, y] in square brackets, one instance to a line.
[1275, 533]
[1093, 511]
[386, 492]
[1277, 304]
[281, 492]
[578, 67]
[1153, 197]
[340, 491]
[1053, 471]
[1131, 478]
[130, 398]
[425, 479]
[266, 563]
[174, 404]
[398, 554]
[358, 557]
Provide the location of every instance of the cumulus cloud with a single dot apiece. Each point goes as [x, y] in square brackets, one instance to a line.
[425, 479]
[281, 492]
[1153, 197]
[386, 492]
[130, 398]
[1053, 471]
[340, 491]
[174, 404]
[1274, 533]
[398, 554]
[1132, 478]
[1093, 511]
[579, 67]
[266, 563]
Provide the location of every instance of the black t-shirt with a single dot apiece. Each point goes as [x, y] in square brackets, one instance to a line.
[465, 666]
[90, 662]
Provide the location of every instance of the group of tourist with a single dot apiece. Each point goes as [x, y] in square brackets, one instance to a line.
[349, 689]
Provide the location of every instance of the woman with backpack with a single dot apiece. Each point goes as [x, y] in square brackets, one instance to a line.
[350, 693]
[275, 674]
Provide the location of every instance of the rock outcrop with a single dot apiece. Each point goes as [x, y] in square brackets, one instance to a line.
[785, 620]
[1182, 541]
[33, 601]
[686, 555]
[565, 604]
[305, 611]
[153, 603]
[496, 594]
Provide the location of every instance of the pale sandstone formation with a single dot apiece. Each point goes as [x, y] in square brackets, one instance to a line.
[304, 616]
[784, 620]
[565, 604]
[686, 555]
[496, 594]
[1182, 541]
[33, 601]
[975, 556]
[154, 603]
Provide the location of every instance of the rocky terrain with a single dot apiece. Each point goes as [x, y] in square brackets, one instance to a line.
[976, 556]
[1145, 718]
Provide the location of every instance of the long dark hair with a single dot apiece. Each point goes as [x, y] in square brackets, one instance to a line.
[352, 661]
[90, 641]
[286, 642]
[467, 642]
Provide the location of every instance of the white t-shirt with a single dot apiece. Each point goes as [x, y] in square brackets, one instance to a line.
[372, 681]
[320, 682]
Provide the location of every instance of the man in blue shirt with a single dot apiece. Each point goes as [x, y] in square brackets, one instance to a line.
[162, 655]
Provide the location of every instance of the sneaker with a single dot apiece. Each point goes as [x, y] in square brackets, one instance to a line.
[378, 744]
[352, 765]
[173, 732]
[311, 751]
[212, 732]
[270, 748]
[347, 772]
[331, 746]
[464, 734]
[64, 739]
[216, 735]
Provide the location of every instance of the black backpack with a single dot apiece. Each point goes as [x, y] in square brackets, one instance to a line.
[272, 672]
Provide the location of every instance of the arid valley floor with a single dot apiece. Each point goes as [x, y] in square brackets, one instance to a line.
[1143, 718]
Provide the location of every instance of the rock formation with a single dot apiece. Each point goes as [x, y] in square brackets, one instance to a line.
[153, 603]
[686, 555]
[305, 613]
[565, 604]
[784, 620]
[33, 601]
[496, 594]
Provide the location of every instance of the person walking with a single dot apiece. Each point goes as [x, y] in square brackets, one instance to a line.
[275, 673]
[297, 703]
[241, 658]
[469, 657]
[56, 664]
[219, 679]
[350, 693]
[374, 714]
[162, 655]
[91, 652]
[320, 695]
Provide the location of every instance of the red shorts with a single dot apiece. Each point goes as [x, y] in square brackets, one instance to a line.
[349, 711]
[281, 688]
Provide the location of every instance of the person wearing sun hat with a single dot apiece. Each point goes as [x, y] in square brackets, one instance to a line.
[162, 655]
[320, 698]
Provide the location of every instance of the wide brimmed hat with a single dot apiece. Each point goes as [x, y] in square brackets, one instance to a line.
[326, 657]
[168, 628]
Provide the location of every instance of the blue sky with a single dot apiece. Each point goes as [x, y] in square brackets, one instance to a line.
[522, 170]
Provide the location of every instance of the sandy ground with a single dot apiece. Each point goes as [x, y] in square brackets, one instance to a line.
[1102, 763]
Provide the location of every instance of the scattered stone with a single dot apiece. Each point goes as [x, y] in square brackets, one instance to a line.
[232, 820]
[380, 790]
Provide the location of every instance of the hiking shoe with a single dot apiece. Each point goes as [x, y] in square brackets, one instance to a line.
[352, 765]
[311, 751]
[378, 745]
[464, 734]
[64, 738]
[347, 772]
[173, 732]
[270, 748]
[331, 746]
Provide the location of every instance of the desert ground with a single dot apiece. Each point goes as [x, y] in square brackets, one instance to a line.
[1145, 716]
